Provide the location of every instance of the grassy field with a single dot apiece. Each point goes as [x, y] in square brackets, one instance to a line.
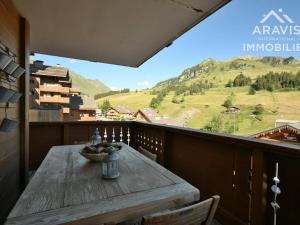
[87, 86]
[134, 100]
[198, 110]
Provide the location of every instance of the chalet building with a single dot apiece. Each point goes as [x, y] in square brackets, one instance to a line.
[233, 109]
[288, 133]
[50, 85]
[53, 98]
[147, 115]
[120, 113]
[81, 108]
[151, 116]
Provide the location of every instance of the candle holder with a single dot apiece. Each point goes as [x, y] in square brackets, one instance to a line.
[110, 163]
[96, 138]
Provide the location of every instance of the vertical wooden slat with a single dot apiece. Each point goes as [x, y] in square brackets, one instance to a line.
[24, 102]
[162, 149]
[257, 205]
[240, 173]
[11, 146]
[66, 133]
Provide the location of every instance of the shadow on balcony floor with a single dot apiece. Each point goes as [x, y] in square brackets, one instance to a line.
[215, 223]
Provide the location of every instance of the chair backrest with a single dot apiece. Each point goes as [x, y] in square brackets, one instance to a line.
[194, 214]
[147, 153]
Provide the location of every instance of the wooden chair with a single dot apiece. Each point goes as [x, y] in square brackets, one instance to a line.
[199, 213]
[147, 153]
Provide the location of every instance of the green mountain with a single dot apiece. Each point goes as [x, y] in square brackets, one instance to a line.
[196, 96]
[88, 86]
[218, 72]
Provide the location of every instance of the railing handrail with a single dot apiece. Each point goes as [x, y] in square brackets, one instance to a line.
[248, 142]
[221, 137]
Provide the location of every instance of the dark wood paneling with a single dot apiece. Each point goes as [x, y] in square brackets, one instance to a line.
[288, 200]
[24, 101]
[240, 170]
[205, 164]
[10, 143]
[42, 138]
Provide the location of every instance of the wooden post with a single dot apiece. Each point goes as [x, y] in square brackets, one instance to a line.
[133, 130]
[66, 139]
[163, 147]
[24, 102]
[257, 205]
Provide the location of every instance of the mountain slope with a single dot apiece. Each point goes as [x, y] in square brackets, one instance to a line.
[220, 72]
[88, 86]
[197, 110]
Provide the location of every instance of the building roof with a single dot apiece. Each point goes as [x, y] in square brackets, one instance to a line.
[123, 109]
[149, 114]
[153, 117]
[233, 109]
[82, 103]
[126, 32]
[39, 69]
[280, 122]
[294, 128]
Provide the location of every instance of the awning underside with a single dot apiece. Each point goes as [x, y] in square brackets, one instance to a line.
[124, 32]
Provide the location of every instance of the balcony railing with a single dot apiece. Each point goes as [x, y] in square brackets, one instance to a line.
[74, 90]
[54, 89]
[239, 169]
[48, 99]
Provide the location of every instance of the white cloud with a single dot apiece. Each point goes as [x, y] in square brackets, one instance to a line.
[115, 88]
[144, 83]
[72, 61]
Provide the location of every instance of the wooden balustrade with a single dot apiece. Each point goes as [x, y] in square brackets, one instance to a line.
[238, 169]
[43, 135]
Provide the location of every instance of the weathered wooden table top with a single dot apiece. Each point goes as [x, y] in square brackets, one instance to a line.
[68, 189]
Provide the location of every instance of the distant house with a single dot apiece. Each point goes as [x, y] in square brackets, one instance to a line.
[81, 108]
[233, 109]
[147, 115]
[151, 116]
[289, 133]
[120, 112]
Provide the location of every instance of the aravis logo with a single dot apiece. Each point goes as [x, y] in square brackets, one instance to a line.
[275, 32]
[285, 25]
[283, 18]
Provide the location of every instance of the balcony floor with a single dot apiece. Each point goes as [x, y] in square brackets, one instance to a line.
[215, 223]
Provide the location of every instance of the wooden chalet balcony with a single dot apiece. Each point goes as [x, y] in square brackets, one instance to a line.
[54, 89]
[74, 91]
[238, 169]
[66, 110]
[48, 99]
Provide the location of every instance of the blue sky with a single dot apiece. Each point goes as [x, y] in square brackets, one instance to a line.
[220, 36]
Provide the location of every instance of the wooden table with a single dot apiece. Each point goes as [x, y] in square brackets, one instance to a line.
[68, 189]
